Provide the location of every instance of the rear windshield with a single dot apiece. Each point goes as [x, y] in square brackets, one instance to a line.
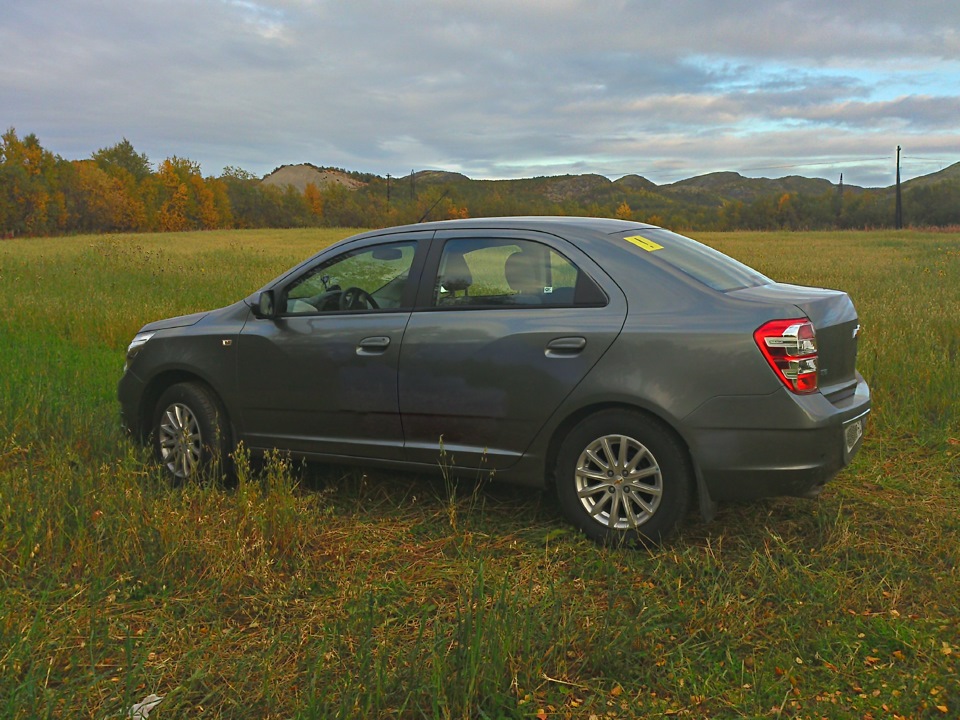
[709, 266]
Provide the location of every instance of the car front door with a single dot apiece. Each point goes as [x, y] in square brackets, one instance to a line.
[507, 324]
[321, 376]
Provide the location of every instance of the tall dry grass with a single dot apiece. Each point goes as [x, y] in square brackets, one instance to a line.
[328, 592]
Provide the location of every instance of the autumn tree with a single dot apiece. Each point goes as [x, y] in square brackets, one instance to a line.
[207, 215]
[221, 202]
[247, 202]
[31, 201]
[340, 207]
[123, 158]
[311, 194]
[100, 202]
[786, 211]
[729, 215]
[186, 200]
[172, 216]
[933, 204]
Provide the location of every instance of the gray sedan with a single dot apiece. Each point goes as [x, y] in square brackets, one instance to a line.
[633, 370]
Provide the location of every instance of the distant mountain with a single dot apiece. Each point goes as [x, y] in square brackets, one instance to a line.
[710, 190]
[635, 182]
[720, 186]
[700, 200]
[574, 187]
[438, 176]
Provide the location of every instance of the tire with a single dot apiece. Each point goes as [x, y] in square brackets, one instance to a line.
[189, 431]
[623, 478]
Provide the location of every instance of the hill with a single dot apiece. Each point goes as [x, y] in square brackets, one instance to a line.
[950, 174]
[299, 176]
[721, 186]
[712, 190]
[719, 200]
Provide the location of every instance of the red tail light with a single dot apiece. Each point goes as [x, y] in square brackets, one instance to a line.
[790, 346]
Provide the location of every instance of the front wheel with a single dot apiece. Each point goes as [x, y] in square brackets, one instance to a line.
[622, 477]
[189, 431]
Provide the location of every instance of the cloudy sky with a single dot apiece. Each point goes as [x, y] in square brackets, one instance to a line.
[494, 88]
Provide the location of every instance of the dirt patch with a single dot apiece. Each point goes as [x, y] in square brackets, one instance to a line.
[299, 176]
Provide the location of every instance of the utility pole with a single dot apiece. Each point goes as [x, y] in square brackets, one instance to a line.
[413, 184]
[898, 219]
[839, 203]
[388, 188]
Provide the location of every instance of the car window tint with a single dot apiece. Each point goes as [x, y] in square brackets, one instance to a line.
[709, 266]
[370, 278]
[501, 272]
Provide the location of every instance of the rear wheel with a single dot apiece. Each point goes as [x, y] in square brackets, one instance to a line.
[622, 478]
[190, 431]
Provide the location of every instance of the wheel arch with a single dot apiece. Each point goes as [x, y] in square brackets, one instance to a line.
[564, 428]
[158, 385]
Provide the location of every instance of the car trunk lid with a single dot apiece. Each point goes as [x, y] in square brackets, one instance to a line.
[836, 323]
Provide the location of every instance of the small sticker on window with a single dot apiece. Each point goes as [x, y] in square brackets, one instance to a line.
[642, 243]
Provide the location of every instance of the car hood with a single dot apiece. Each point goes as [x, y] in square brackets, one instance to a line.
[175, 322]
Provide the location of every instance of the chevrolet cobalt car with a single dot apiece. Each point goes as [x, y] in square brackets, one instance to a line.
[633, 370]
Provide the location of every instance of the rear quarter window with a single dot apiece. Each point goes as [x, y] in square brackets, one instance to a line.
[704, 264]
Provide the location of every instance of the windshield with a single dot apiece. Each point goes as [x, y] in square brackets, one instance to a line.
[709, 266]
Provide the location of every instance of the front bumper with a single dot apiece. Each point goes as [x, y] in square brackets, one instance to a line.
[130, 390]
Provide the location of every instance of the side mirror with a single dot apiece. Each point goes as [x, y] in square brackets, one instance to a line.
[266, 305]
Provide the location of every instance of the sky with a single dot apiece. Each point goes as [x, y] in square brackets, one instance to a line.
[494, 88]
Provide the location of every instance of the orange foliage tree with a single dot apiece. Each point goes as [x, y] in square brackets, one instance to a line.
[31, 201]
[314, 200]
[187, 201]
[102, 203]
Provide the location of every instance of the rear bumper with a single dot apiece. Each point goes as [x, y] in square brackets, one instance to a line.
[781, 444]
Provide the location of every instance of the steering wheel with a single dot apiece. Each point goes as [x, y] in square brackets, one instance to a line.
[354, 298]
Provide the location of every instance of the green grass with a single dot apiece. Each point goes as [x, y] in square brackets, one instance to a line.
[328, 592]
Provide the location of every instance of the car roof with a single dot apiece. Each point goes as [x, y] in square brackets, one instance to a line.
[545, 223]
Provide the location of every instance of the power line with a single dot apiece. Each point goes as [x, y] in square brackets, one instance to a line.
[833, 163]
[928, 161]
[817, 164]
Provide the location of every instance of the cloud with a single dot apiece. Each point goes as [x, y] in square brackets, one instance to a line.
[492, 89]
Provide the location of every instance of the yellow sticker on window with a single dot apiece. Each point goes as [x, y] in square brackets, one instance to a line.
[644, 244]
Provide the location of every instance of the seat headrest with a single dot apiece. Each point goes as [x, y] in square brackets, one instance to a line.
[521, 273]
[456, 274]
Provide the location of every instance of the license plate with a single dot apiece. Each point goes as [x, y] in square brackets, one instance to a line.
[853, 434]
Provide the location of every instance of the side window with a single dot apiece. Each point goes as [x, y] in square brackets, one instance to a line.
[371, 278]
[499, 272]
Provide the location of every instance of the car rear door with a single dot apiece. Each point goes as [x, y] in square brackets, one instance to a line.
[484, 362]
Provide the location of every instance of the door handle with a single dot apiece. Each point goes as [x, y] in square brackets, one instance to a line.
[373, 345]
[565, 346]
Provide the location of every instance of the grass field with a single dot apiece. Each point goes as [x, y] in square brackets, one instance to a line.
[329, 592]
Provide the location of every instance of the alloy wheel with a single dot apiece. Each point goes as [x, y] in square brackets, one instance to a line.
[180, 440]
[619, 482]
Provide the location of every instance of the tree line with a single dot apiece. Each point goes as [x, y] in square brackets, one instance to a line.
[119, 190]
